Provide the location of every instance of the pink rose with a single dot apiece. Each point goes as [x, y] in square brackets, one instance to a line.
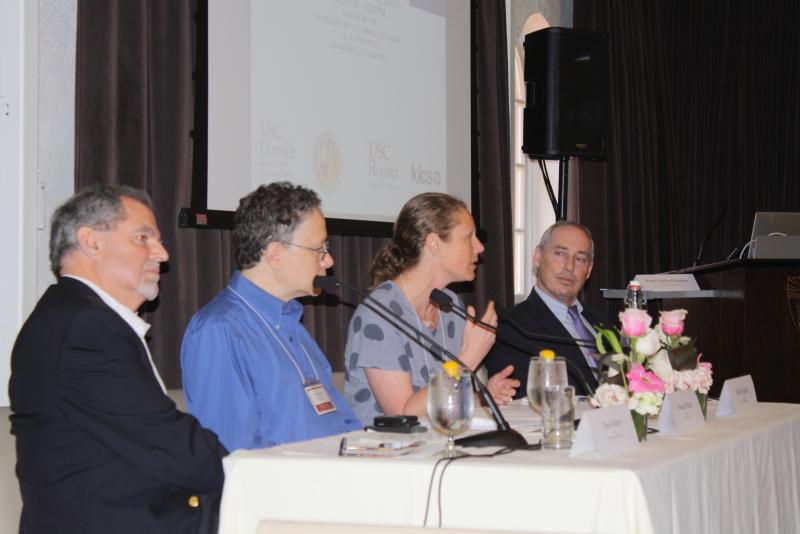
[634, 322]
[672, 322]
[643, 381]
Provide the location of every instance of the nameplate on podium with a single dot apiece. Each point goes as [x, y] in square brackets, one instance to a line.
[738, 396]
[606, 430]
[680, 413]
[667, 282]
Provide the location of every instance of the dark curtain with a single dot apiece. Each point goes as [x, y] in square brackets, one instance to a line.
[704, 115]
[492, 161]
[134, 117]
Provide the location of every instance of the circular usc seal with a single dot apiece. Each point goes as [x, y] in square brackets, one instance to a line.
[328, 163]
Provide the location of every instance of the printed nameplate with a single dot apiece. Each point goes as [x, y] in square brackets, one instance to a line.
[738, 396]
[668, 282]
[606, 430]
[680, 413]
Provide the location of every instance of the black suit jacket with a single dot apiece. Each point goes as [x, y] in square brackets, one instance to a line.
[512, 348]
[100, 448]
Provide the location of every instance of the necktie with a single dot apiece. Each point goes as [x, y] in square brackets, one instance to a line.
[582, 331]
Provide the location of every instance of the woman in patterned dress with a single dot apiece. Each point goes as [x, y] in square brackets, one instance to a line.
[386, 372]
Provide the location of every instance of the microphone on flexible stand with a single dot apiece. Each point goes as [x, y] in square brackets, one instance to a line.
[724, 207]
[446, 303]
[504, 436]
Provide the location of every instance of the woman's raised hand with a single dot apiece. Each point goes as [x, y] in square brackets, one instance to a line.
[502, 387]
[478, 339]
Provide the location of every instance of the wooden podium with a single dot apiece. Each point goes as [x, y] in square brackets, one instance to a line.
[751, 326]
[746, 318]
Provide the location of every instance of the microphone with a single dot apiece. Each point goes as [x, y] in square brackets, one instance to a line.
[326, 282]
[445, 302]
[504, 436]
[724, 207]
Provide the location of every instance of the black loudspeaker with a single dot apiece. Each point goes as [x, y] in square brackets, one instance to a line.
[566, 78]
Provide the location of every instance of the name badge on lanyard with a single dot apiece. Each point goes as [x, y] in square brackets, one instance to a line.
[319, 398]
[315, 391]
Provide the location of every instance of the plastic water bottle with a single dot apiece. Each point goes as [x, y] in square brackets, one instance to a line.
[635, 296]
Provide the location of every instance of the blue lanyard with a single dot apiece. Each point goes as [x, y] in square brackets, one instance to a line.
[280, 342]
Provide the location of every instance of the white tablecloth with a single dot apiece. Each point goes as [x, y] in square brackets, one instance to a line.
[735, 475]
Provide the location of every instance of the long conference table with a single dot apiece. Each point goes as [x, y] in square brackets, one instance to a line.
[736, 474]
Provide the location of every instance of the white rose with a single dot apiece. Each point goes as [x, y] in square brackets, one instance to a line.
[648, 344]
[660, 365]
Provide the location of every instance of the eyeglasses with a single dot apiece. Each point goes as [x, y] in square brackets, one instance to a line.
[323, 251]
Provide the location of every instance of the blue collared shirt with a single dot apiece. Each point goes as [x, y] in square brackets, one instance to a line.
[245, 359]
[561, 312]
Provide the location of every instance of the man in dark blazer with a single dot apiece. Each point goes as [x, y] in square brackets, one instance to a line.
[563, 260]
[100, 446]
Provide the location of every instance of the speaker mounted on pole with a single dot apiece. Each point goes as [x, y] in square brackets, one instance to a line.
[566, 79]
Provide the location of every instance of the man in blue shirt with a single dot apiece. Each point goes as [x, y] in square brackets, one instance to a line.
[251, 371]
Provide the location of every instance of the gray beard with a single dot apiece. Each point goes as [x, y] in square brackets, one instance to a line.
[149, 290]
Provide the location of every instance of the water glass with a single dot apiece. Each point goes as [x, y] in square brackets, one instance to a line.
[542, 373]
[558, 417]
[450, 406]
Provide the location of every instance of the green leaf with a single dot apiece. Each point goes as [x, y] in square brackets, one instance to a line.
[598, 340]
[609, 336]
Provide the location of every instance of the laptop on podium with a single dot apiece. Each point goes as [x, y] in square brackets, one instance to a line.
[776, 235]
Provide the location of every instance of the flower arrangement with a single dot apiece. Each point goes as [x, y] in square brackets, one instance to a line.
[678, 362]
[658, 360]
[630, 379]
